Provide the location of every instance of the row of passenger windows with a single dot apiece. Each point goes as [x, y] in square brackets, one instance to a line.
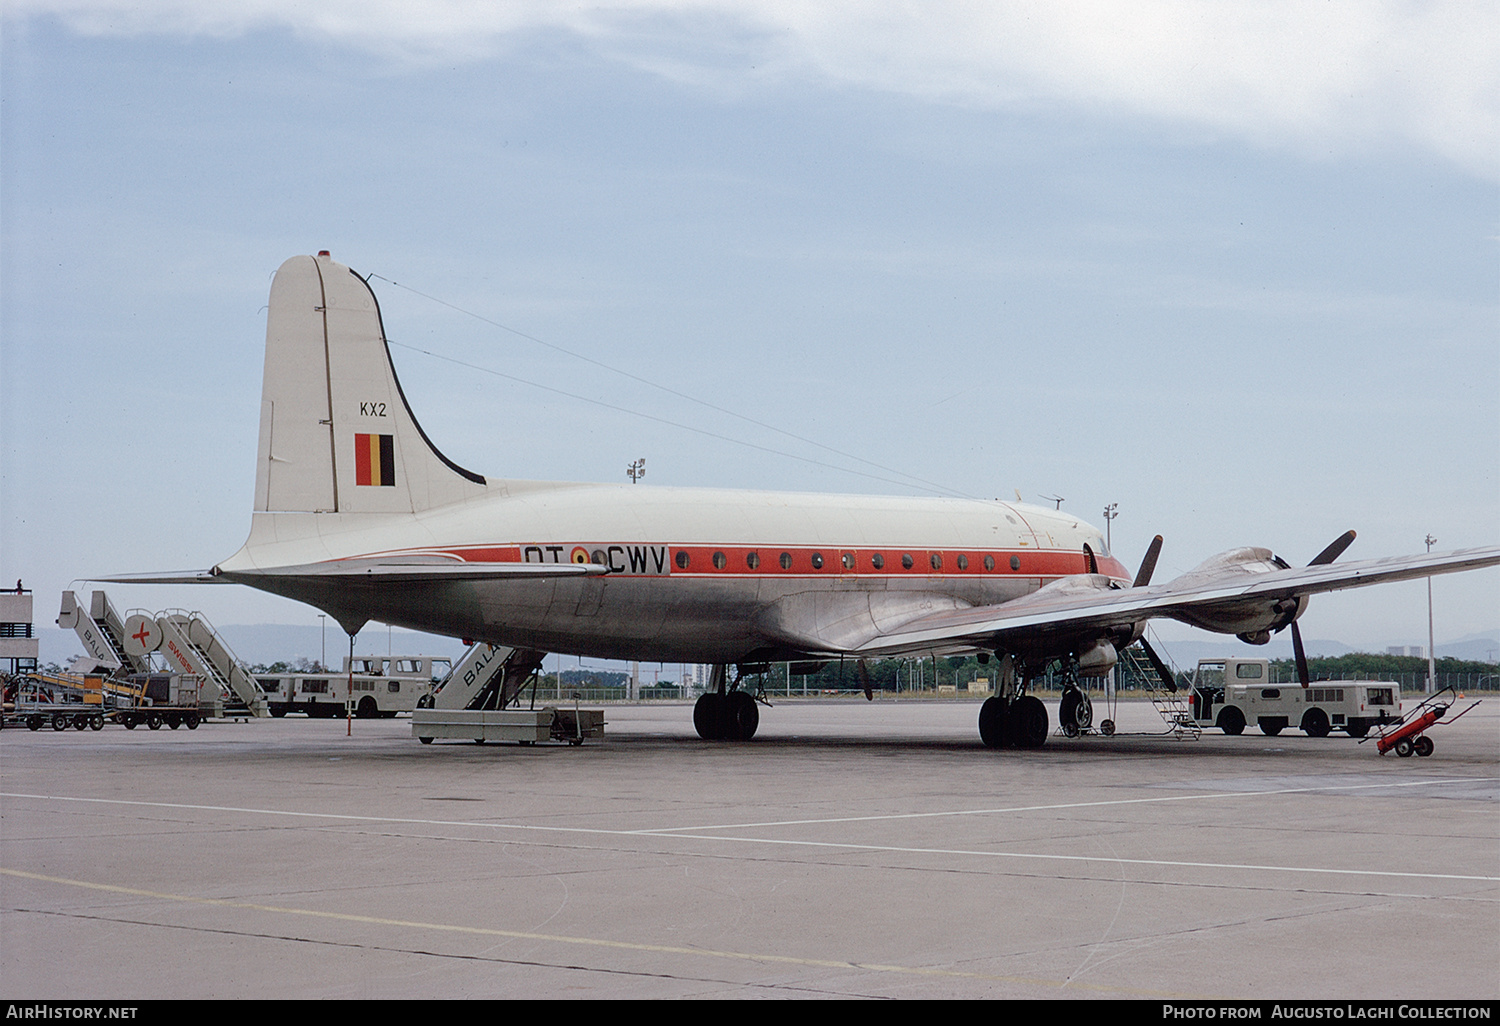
[848, 560]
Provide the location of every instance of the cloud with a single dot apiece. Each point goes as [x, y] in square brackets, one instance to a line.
[1320, 78]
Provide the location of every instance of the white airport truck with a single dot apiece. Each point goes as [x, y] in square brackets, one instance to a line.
[1233, 693]
[380, 686]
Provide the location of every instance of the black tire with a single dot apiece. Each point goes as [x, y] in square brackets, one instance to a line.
[174, 721]
[153, 720]
[425, 740]
[1357, 729]
[993, 722]
[1231, 721]
[1107, 728]
[367, 708]
[191, 721]
[1315, 723]
[128, 721]
[1404, 748]
[278, 711]
[96, 722]
[59, 722]
[80, 722]
[33, 723]
[1270, 728]
[1075, 711]
[742, 717]
[1422, 746]
[708, 716]
[1028, 717]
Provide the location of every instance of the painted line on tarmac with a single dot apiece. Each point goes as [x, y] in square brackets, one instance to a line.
[1060, 806]
[592, 942]
[691, 833]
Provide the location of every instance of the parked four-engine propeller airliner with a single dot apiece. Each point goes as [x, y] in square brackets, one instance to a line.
[359, 514]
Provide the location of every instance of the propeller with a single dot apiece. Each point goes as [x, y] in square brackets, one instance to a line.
[1334, 550]
[1143, 578]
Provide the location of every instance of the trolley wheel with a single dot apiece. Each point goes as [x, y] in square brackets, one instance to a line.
[80, 722]
[96, 722]
[153, 720]
[59, 721]
[1107, 728]
[1423, 746]
[129, 719]
[1404, 748]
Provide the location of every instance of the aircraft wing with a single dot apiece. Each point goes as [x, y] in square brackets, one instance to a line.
[1075, 606]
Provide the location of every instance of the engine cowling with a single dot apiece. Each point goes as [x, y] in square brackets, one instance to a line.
[1253, 620]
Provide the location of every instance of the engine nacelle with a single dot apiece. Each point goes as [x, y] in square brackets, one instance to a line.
[1252, 619]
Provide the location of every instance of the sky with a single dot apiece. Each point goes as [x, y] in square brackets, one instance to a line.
[1230, 266]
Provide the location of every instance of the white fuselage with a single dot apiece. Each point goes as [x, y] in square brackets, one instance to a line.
[697, 575]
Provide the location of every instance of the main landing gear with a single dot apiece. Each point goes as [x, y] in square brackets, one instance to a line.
[1012, 718]
[725, 715]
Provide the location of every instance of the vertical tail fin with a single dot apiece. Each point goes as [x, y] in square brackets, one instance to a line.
[336, 435]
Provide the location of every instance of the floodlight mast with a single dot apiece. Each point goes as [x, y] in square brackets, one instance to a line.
[1431, 661]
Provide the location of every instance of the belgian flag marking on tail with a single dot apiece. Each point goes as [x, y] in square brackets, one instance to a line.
[374, 460]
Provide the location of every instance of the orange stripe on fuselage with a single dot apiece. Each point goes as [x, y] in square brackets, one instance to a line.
[1032, 562]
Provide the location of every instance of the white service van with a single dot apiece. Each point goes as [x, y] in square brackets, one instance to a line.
[379, 686]
[1233, 693]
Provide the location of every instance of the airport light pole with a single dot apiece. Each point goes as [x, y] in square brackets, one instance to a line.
[1431, 662]
[323, 622]
[1109, 515]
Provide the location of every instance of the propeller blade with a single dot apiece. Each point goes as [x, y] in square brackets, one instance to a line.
[1303, 677]
[1168, 678]
[1148, 565]
[1335, 549]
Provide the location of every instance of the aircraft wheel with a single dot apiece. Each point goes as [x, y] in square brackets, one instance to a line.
[1232, 721]
[742, 716]
[1075, 711]
[1404, 748]
[994, 723]
[1422, 746]
[59, 721]
[708, 716]
[1316, 723]
[1028, 719]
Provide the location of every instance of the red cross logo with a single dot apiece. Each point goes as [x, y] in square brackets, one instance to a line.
[142, 634]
